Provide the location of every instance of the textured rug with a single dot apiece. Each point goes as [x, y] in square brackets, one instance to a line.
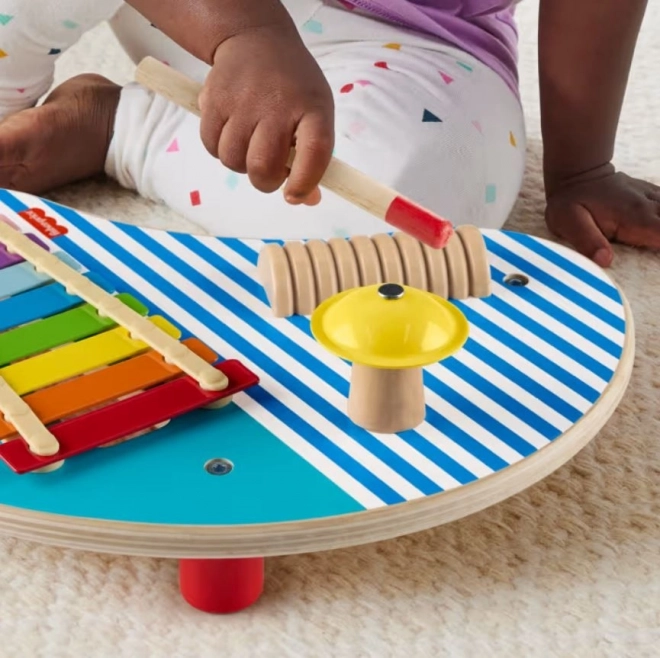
[568, 568]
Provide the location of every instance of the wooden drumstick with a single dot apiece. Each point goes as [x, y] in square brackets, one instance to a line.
[345, 181]
[26, 423]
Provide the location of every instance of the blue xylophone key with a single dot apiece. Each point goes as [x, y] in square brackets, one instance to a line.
[19, 278]
[42, 302]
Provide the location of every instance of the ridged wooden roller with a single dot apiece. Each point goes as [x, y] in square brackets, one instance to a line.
[298, 276]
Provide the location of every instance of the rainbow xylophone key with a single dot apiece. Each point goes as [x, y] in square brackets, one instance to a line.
[84, 377]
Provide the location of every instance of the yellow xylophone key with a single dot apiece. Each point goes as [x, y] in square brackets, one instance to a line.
[78, 358]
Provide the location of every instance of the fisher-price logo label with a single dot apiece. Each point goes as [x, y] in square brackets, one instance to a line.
[43, 223]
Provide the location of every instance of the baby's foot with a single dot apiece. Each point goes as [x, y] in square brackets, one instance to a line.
[62, 141]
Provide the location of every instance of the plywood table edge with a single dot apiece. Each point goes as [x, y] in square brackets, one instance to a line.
[329, 533]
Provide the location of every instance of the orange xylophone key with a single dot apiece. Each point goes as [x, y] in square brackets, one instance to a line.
[103, 386]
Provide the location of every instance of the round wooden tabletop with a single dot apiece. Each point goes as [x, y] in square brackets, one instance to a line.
[282, 470]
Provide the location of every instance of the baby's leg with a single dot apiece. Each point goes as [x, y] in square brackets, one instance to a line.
[435, 125]
[66, 138]
[33, 34]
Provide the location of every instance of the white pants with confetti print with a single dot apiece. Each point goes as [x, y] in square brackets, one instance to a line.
[422, 117]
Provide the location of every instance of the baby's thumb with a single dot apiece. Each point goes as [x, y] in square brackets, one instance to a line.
[576, 225]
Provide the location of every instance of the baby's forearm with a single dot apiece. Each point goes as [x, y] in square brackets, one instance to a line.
[585, 54]
[199, 26]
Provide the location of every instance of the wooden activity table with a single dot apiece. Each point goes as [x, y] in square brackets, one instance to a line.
[281, 469]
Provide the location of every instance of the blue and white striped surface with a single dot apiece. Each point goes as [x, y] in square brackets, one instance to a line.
[537, 359]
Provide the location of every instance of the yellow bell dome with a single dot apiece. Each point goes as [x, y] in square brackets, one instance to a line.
[389, 326]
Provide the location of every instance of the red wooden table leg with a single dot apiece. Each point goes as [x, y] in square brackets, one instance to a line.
[221, 586]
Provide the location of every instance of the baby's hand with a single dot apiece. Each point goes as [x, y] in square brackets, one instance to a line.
[265, 94]
[591, 210]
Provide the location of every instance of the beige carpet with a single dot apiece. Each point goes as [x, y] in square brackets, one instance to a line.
[569, 568]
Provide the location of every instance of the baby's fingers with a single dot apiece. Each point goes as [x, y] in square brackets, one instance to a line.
[314, 145]
[267, 156]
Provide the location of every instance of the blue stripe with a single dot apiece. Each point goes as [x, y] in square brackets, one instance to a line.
[479, 416]
[11, 201]
[413, 438]
[461, 438]
[297, 424]
[551, 338]
[502, 398]
[519, 346]
[559, 286]
[523, 380]
[565, 318]
[567, 265]
[242, 249]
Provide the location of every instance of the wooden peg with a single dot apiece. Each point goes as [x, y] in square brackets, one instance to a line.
[412, 258]
[436, 269]
[325, 271]
[476, 257]
[348, 274]
[390, 258]
[367, 260]
[304, 287]
[457, 271]
[274, 273]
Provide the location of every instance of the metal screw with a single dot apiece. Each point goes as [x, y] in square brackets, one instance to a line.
[218, 466]
[516, 280]
[391, 291]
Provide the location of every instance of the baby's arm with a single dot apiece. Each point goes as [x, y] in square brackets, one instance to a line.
[265, 92]
[586, 49]
[585, 54]
[200, 26]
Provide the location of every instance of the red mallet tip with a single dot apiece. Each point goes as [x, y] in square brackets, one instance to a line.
[421, 224]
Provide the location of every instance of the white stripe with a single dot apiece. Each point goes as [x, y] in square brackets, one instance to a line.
[216, 343]
[553, 297]
[308, 378]
[302, 408]
[530, 369]
[539, 345]
[558, 273]
[506, 294]
[433, 435]
[515, 391]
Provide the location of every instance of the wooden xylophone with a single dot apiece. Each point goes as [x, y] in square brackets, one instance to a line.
[84, 366]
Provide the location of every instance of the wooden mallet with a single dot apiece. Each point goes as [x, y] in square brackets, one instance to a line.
[349, 183]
